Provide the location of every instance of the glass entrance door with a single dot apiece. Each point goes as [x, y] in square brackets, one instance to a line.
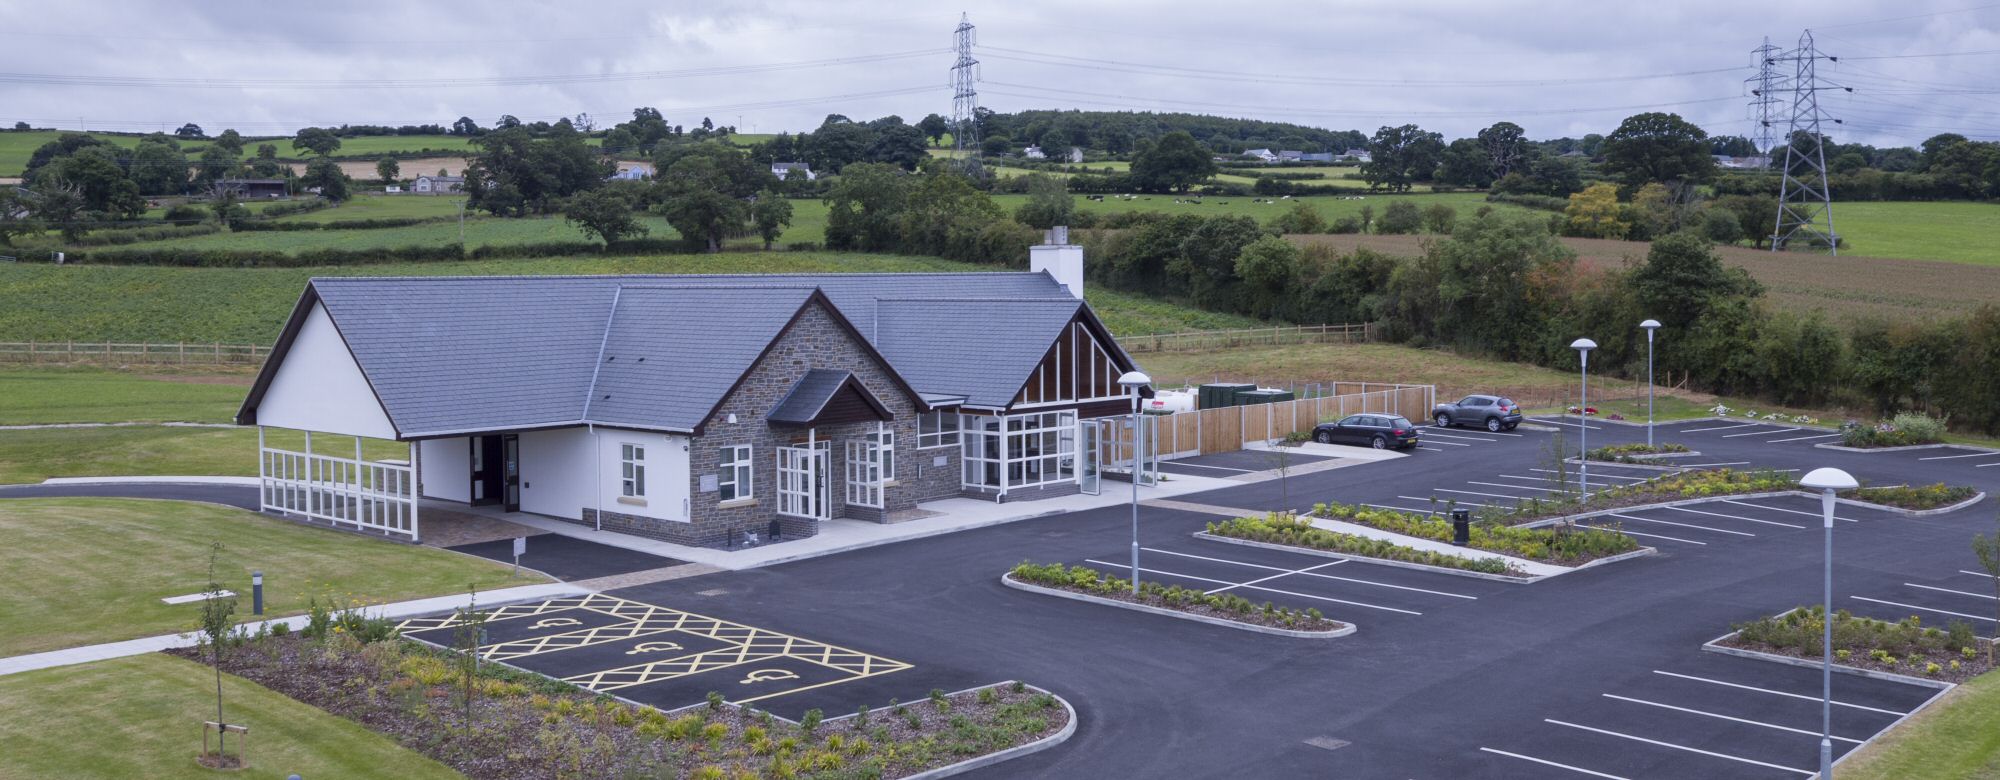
[804, 487]
[1089, 471]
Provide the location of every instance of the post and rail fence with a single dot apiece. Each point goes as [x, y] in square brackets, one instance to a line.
[171, 353]
[1354, 333]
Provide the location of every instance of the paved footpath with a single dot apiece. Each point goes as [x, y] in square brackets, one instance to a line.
[400, 609]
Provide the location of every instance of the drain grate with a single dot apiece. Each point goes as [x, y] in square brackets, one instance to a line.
[1328, 743]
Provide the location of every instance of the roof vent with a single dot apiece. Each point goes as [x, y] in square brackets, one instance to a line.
[642, 360]
[609, 358]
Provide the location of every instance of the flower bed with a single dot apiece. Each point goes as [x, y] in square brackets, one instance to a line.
[1913, 496]
[1226, 606]
[1285, 528]
[528, 726]
[1634, 453]
[1707, 483]
[1955, 654]
[1903, 430]
[1562, 546]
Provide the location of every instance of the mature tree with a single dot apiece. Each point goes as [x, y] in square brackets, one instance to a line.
[898, 144]
[1756, 216]
[222, 200]
[266, 164]
[942, 211]
[217, 162]
[1049, 203]
[1485, 272]
[771, 213]
[1936, 144]
[1465, 164]
[1172, 164]
[517, 171]
[326, 175]
[865, 208]
[23, 126]
[96, 174]
[1506, 147]
[506, 122]
[317, 140]
[705, 190]
[64, 145]
[388, 170]
[230, 140]
[17, 217]
[59, 204]
[1594, 213]
[934, 127]
[1732, 146]
[465, 127]
[1658, 147]
[604, 213]
[1400, 156]
[995, 146]
[158, 169]
[189, 130]
[1207, 259]
[1268, 267]
[1682, 276]
[1300, 218]
[1401, 216]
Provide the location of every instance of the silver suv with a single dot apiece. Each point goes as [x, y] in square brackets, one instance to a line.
[1494, 413]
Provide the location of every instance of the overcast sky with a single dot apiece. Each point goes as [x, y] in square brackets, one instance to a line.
[1449, 66]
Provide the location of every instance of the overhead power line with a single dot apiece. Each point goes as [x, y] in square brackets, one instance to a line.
[161, 82]
[1064, 60]
[1127, 101]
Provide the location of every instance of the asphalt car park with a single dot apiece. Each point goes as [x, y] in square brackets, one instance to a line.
[567, 557]
[1231, 464]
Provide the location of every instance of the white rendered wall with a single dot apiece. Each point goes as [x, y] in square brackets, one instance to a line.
[560, 467]
[556, 472]
[666, 474]
[1062, 261]
[445, 468]
[319, 387]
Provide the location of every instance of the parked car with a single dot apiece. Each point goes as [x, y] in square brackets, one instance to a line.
[1380, 431]
[1492, 412]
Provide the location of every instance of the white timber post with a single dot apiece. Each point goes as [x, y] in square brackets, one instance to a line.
[416, 491]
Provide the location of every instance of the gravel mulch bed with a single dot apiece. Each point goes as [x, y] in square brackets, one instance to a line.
[528, 726]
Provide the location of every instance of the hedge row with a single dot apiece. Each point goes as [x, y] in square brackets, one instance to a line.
[266, 258]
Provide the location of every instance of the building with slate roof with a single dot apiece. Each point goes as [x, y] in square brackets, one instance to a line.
[701, 409]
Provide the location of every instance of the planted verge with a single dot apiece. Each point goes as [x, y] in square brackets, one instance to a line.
[508, 724]
[1904, 430]
[1708, 483]
[1224, 606]
[1635, 453]
[1285, 528]
[1953, 654]
[1563, 545]
[1913, 496]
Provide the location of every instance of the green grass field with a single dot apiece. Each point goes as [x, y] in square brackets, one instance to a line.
[33, 455]
[1954, 739]
[140, 717]
[1956, 231]
[100, 566]
[248, 305]
[33, 395]
[16, 147]
[385, 207]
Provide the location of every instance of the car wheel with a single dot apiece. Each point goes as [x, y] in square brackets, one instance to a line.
[1379, 442]
[1493, 424]
[1323, 437]
[1443, 420]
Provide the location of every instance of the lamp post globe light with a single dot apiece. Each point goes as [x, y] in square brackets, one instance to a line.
[1828, 481]
[1650, 326]
[1583, 348]
[1136, 381]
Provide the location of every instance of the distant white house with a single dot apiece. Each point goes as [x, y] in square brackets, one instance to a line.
[1357, 155]
[1291, 155]
[438, 185]
[786, 170]
[1265, 155]
[1076, 154]
[1033, 153]
[632, 171]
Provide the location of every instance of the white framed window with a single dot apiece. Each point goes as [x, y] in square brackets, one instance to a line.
[885, 453]
[733, 476]
[938, 428]
[632, 470]
[1022, 450]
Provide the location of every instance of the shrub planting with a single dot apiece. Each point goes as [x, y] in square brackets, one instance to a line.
[1903, 430]
[1228, 606]
[1286, 528]
[1633, 453]
[1906, 647]
[1913, 496]
[1563, 545]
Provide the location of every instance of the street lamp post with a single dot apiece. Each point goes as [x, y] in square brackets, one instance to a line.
[1136, 381]
[1650, 326]
[1827, 481]
[1583, 348]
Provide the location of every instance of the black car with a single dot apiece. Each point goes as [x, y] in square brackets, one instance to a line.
[1380, 431]
[1492, 412]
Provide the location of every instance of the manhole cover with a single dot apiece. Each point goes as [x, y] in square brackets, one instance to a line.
[711, 592]
[1328, 743]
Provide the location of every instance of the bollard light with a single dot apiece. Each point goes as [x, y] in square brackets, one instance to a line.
[257, 592]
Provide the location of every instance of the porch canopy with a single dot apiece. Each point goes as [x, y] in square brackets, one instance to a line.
[827, 396]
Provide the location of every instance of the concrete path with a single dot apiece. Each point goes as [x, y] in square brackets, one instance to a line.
[400, 609]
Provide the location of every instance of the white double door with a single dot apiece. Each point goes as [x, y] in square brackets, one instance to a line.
[804, 481]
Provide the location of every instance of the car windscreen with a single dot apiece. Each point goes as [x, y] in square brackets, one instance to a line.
[1507, 402]
[1399, 422]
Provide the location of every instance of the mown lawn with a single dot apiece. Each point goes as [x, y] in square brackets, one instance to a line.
[248, 305]
[34, 395]
[1957, 738]
[33, 455]
[99, 567]
[141, 717]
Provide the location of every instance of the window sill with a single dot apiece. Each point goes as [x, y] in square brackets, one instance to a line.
[736, 503]
[889, 483]
[939, 446]
[632, 500]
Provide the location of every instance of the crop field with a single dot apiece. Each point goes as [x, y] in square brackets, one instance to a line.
[1845, 287]
[384, 207]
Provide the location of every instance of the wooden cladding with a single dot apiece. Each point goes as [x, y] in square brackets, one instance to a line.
[1076, 368]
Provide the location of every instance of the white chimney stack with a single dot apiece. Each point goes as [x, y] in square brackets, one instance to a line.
[1060, 259]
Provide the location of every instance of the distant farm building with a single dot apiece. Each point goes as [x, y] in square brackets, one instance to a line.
[437, 185]
[786, 170]
[1033, 153]
[1265, 155]
[635, 171]
[255, 188]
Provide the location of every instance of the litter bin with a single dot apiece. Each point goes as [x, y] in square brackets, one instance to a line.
[1461, 527]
